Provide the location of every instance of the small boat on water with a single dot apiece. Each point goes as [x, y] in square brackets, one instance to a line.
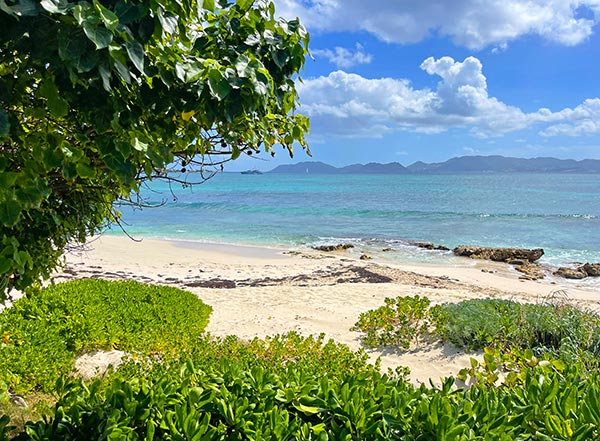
[252, 172]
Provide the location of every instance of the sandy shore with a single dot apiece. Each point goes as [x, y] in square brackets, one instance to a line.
[265, 291]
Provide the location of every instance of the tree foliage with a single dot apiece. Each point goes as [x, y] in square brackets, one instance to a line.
[98, 96]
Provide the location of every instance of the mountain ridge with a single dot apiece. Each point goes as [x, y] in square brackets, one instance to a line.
[461, 164]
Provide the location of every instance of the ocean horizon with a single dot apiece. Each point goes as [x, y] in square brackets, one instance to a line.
[557, 212]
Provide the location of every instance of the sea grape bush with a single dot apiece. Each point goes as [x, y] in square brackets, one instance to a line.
[98, 96]
[305, 388]
[42, 334]
[231, 402]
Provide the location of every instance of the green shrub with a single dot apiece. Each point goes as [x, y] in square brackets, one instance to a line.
[230, 402]
[42, 335]
[557, 327]
[478, 323]
[400, 322]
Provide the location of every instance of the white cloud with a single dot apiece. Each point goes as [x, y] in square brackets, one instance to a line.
[344, 58]
[350, 105]
[583, 120]
[471, 23]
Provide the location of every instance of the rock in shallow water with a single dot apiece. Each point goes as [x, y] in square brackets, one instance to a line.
[430, 246]
[338, 247]
[591, 269]
[498, 254]
[570, 273]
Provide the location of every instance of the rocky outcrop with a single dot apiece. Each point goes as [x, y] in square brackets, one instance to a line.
[591, 269]
[570, 273]
[530, 271]
[498, 254]
[338, 247]
[430, 246]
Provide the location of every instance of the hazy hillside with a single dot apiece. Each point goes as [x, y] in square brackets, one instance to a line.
[463, 164]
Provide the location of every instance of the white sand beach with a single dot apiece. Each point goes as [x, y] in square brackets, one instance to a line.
[258, 291]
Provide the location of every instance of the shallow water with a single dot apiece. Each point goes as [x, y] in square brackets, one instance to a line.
[557, 212]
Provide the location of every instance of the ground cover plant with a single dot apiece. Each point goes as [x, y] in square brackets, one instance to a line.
[42, 334]
[229, 401]
[291, 387]
[552, 325]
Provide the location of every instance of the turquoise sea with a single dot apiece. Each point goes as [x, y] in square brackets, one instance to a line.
[557, 212]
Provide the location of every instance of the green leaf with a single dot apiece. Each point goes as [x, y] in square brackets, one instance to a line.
[4, 123]
[56, 6]
[109, 18]
[57, 106]
[10, 212]
[85, 171]
[98, 35]
[5, 265]
[209, 5]
[140, 146]
[219, 86]
[167, 21]
[105, 75]
[242, 66]
[189, 72]
[244, 4]
[235, 152]
[136, 54]
[7, 179]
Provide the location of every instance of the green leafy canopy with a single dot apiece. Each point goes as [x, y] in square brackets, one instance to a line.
[97, 96]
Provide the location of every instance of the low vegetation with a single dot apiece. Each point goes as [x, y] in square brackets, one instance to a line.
[292, 387]
[41, 335]
[553, 326]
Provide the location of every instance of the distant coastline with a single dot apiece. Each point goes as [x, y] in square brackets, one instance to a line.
[463, 164]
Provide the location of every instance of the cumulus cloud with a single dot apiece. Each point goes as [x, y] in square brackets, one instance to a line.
[468, 22]
[582, 120]
[344, 58]
[348, 104]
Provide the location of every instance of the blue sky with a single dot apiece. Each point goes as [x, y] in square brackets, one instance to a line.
[427, 80]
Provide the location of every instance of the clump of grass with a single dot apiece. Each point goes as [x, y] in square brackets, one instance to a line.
[40, 336]
[478, 323]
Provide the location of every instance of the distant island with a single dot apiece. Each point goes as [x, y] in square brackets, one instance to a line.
[463, 164]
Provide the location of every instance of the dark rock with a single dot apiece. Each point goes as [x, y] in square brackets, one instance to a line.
[387, 249]
[365, 257]
[213, 283]
[338, 247]
[430, 246]
[591, 269]
[498, 254]
[570, 273]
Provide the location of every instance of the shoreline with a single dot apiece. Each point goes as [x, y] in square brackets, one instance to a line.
[412, 256]
[258, 291]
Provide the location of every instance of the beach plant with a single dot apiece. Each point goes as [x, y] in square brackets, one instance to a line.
[400, 322]
[553, 325]
[556, 327]
[97, 97]
[295, 387]
[226, 401]
[45, 332]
